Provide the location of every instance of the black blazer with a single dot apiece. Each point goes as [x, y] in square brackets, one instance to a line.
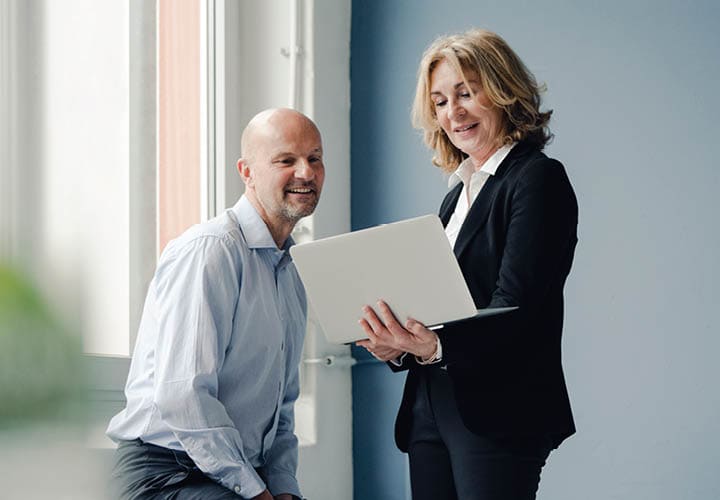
[515, 248]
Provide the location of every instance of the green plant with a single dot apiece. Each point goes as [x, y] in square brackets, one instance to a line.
[40, 363]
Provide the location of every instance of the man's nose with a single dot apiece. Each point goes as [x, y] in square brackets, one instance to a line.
[304, 170]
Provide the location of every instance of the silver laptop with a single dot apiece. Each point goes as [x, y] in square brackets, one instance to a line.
[409, 264]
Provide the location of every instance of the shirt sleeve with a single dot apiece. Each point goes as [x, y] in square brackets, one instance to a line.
[197, 289]
[282, 459]
[402, 363]
[399, 360]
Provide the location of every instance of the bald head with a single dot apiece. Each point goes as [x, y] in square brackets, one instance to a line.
[282, 168]
[268, 124]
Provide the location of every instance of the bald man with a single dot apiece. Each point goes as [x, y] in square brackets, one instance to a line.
[214, 375]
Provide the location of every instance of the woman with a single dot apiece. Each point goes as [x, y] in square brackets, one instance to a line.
[485, 401]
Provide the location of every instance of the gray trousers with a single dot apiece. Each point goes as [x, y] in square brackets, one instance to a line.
[144, 471]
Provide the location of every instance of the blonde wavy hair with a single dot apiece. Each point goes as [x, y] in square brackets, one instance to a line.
[504, 78]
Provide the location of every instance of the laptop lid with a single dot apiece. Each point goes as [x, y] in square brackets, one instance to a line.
[409, 264]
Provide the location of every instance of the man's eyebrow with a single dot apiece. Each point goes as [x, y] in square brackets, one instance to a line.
[277, 156]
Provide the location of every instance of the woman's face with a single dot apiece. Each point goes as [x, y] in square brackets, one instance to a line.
[470, 121]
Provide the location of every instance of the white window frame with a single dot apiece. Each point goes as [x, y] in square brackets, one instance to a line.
[8, 188]
[220, 132]
[109, 373]
[317, 86]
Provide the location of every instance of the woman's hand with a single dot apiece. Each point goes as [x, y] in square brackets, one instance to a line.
[381, 353]
[387, 339]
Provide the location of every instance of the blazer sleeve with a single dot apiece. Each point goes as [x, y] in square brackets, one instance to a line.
[539, 244]
[408, 361]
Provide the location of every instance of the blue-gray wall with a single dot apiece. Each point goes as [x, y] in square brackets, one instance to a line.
[635, 86]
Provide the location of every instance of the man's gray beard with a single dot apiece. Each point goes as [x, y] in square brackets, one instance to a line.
[293, 215]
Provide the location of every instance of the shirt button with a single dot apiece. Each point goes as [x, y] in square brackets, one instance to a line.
[237, 489]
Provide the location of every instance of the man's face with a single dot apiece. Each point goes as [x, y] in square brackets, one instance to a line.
[284, 172]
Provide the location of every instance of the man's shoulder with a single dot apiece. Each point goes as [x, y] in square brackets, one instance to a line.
[220, 232]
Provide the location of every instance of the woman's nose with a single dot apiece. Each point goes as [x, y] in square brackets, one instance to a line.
[456, 109]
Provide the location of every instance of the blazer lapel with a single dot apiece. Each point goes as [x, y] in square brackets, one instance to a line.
[448, 205]
[478, 214]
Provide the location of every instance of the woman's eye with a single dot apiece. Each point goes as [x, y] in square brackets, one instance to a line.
[439, 104]
[465, 95]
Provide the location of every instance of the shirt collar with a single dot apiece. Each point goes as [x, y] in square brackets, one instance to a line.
[466, 169]
[256, 232]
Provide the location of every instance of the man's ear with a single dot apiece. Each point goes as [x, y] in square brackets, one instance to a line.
[245, 171]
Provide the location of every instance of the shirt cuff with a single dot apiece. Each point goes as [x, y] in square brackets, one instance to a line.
[246, 483]
[435, 358]
[283, 482]
[399, 360]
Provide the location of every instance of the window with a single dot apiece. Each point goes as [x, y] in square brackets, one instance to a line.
[123, 126]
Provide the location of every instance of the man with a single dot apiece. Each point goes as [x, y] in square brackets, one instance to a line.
[214, 375]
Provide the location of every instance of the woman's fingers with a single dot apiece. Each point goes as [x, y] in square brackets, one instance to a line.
[386, 353]
[388, 332]
[383, 335]
[425, 340]
[367, 328]
[418, 329]
[365, 343]
[377, 334]
[383, 353]
[372, 319]
[391, 321]
[371, 343]
[388, 342]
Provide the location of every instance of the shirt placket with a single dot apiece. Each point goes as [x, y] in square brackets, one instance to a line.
[279, 263]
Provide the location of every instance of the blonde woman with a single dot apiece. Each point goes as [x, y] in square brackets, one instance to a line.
[485, 402]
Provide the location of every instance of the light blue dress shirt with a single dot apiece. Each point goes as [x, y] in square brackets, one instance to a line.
[215, 367]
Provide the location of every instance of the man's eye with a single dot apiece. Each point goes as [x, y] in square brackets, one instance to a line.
[315, 159]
